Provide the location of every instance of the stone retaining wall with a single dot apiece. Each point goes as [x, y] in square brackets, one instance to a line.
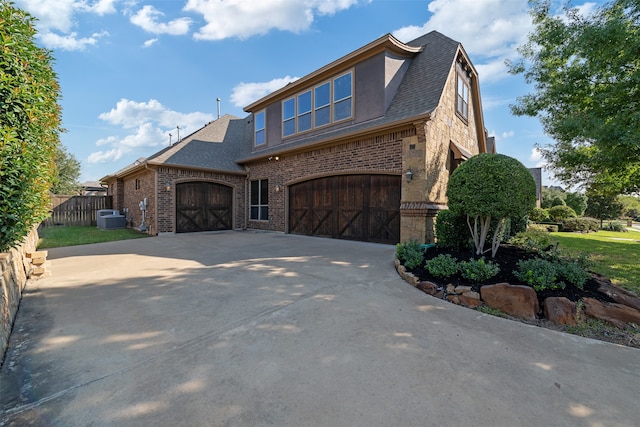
[15, 268]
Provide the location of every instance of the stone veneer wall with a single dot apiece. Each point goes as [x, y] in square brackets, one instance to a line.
[14, 272]
[380, 154]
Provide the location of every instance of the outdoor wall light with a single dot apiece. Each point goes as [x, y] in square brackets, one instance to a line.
[168, 186]
[409, 175]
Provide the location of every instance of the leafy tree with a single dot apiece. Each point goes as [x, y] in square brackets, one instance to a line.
[586, 73]
[29, 124]
[558, 201]
[603, 206]
[490, 186]
[631, 206]
[549, 194]
[577, 202]
[67, 173]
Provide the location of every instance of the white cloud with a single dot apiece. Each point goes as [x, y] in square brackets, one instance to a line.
[244, 94]
[146, 124]
[149, 42]
[147, 19]
[246, 18]
[489, 30]
[536, 157]
[56, 21]
[70, 41]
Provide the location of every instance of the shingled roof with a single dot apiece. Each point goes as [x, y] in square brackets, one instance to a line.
[216, 146]
[418, 95]
[226, 144]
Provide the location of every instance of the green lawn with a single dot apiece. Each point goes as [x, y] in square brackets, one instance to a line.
[615, 255]
[54, 237]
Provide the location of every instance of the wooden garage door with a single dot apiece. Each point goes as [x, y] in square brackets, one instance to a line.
[354, 207]
[203, 206]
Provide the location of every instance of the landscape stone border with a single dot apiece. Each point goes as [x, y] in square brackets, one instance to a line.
[522, 301]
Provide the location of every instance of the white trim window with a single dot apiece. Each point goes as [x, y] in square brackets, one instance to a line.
[462, 99]
[259, 197]
[259, 128]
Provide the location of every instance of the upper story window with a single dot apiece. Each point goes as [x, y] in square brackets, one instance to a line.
[342, 91]
[328, 102]
[322, 104]
[462, 99]
[259, 128]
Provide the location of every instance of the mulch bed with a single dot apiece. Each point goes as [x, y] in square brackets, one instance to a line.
[507, 259]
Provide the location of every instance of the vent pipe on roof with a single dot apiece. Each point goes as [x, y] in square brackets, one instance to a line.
[218, 100]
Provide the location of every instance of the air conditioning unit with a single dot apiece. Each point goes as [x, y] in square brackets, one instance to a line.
[109, 219]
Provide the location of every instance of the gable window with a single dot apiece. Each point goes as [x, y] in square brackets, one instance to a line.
[342, 97]
[260, 137]
[462, 99]
[328, 102]
[259, 194]
[138, 184]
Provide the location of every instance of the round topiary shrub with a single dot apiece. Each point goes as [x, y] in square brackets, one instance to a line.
[490, 186]
[539, 215]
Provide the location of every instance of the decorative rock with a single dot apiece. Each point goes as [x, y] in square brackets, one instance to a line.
[460, 290]
[560, 310]
[428, 287]
[469, 301]
[454, 299]
[516, 300]
[616, 293]
[451, 289]
[616, 314]
[439, 294]
[471, 294]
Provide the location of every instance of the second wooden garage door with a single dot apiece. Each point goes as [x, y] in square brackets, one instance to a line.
[354, 207]
[203, 206]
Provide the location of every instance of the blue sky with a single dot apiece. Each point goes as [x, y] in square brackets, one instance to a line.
[131, 71]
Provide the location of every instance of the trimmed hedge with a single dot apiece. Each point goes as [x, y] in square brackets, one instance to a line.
[583, 224]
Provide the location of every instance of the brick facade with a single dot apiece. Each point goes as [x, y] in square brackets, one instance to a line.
[380, 154]
[168, 178]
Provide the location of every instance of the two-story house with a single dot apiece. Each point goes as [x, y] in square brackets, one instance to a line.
[360, 149]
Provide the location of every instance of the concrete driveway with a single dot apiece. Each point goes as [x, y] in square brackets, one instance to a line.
[258, 329]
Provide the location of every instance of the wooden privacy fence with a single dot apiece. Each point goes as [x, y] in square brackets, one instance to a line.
[76, 210]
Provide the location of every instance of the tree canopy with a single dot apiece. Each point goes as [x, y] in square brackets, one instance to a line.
[67, 172]
[490, 186]
[29, 125]
[586, 74]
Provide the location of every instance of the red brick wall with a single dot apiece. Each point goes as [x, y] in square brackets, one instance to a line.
[379, 154]
[133, 194]
[166, 199]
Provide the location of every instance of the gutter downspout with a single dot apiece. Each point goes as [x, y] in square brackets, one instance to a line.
[246, 200]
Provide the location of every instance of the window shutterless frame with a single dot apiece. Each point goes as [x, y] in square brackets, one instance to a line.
[259, 128]
[462, 98]
[328, 102]
[259, 200]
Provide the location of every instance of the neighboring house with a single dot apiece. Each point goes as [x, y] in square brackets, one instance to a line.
[92, 188]
[360, 149]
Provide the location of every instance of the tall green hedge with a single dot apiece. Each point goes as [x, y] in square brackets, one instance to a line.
[29, 124]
